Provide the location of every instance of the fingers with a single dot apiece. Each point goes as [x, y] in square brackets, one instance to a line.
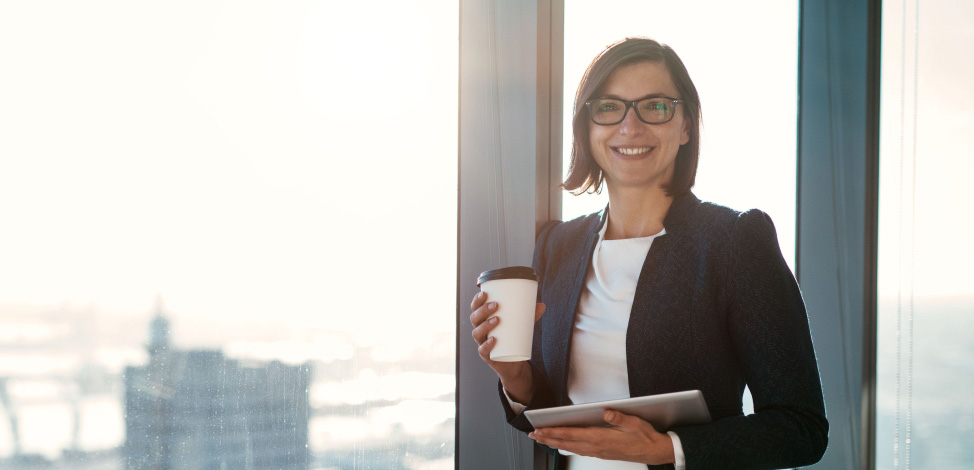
[556, 443]
[575, 440]
[478, 300]
[481, 332]
[625, 422]
[539, 310]
[564, 434]
[485, 347]
[617, 419]
[482, 325]
[481, 309]
[629, 438]
[482, 313]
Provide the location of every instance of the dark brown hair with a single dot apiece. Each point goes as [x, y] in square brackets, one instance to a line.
[584, 174]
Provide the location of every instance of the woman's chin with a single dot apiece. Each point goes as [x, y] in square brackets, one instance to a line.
[636, 184]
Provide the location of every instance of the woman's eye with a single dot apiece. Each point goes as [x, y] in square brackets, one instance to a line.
[608, 107]
[655, 106]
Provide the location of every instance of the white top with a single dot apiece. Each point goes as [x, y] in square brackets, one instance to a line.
[597, 366]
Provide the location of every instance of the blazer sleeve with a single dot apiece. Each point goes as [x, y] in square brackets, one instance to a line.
[543, 396]
[768, 328]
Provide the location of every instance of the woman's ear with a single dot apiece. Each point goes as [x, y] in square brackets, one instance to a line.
[685, 137]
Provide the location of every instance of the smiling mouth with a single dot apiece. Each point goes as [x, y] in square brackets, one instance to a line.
[633, 150]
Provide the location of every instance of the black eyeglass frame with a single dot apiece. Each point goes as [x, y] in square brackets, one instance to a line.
[632, 104]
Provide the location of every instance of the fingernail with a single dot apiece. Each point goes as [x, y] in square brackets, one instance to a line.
[538, 432]
[491, 305]
[493, 320]
[610, 415]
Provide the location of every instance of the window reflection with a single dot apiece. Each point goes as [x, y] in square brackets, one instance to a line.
[191, 152]
[925, 344]
[200, 409]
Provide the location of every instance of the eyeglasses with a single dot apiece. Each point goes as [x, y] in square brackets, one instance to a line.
[610, 111]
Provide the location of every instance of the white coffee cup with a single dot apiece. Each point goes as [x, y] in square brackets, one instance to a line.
[515, 289]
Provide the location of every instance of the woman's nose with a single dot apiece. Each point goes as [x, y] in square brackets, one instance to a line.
[631, 124]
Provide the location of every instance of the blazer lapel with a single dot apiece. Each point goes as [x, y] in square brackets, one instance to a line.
[652, 331]
[564, 327]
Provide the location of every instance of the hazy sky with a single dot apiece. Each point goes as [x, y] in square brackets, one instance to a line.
[934, 239]
[288, 161]
[297, 161]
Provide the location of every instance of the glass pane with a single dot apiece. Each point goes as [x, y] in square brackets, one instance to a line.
[211, 236]
[760, 173]
[925, 350]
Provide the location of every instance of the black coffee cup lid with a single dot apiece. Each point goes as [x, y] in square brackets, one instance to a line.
[512, 272]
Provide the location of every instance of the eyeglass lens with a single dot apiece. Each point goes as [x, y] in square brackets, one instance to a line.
[608, 111]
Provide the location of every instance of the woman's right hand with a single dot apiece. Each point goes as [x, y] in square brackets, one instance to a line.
[515, 376]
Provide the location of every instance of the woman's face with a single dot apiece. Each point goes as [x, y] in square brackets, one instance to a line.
[633, 153]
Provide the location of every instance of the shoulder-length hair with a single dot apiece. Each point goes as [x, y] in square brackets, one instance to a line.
[584, 174]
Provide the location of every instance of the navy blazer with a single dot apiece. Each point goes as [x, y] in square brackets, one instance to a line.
[716, 308]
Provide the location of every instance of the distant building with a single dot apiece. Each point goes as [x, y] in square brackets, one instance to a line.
[197, 410]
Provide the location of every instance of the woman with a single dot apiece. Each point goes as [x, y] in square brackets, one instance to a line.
[661, 292]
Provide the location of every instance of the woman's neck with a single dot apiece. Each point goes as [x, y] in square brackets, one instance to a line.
[636, 212]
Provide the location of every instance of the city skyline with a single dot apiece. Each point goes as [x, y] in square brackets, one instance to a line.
[377, 389]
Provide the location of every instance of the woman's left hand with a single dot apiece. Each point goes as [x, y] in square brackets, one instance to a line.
[629, 438]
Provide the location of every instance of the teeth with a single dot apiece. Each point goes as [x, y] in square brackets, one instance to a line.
[633, 151]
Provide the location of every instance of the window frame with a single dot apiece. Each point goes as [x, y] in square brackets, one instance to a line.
[510, 102]
[516, 80]
[836, 249]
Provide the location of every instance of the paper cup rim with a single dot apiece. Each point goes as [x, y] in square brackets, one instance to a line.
[511, 272]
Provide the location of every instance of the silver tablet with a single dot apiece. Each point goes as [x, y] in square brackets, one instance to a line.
[664, 411]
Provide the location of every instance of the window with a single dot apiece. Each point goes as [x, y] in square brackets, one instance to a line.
[925, 352]
[229, 234]
[729, 173]
[759, 174]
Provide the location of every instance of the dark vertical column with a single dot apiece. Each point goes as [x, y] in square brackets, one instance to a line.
[837, 189]
[551, 71]
[867, 457]
[548, 172]
[497, 202]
